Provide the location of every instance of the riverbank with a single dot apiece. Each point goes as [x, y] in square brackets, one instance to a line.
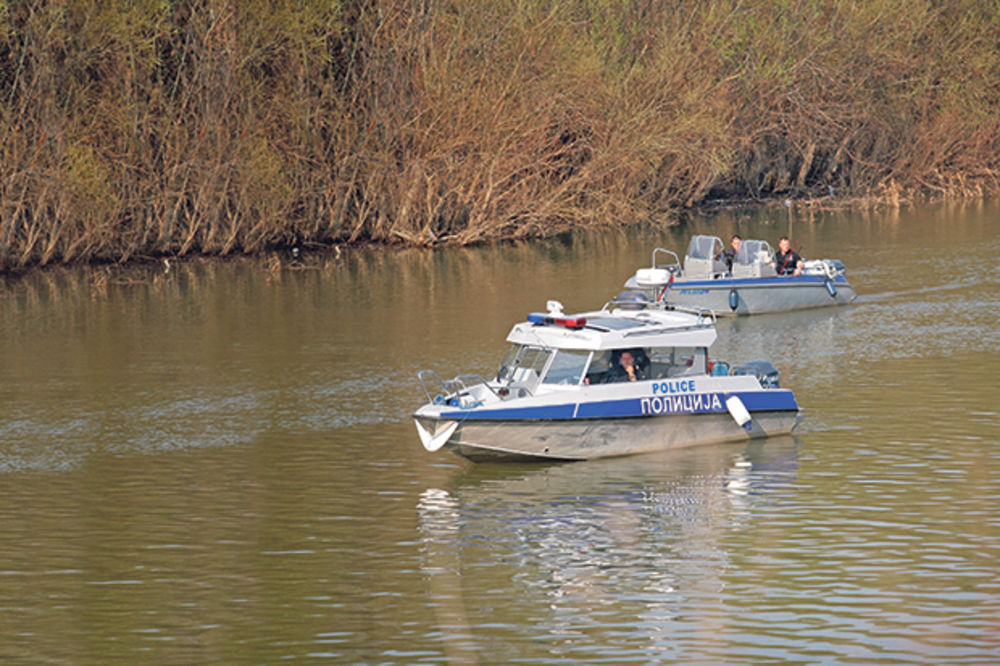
[189, 130]
[796, 218]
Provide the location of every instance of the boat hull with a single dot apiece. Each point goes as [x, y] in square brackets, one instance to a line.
[584, 439]
[761, 295]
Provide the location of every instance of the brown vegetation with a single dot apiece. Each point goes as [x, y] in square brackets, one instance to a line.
[149, 128]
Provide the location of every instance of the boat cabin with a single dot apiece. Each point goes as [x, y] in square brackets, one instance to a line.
[550, 351]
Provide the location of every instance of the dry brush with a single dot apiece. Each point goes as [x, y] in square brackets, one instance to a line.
[158, 127]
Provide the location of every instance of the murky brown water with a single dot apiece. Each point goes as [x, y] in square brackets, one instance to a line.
[215, 464]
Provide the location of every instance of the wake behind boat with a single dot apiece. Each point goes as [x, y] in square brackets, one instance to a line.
[751, 286]
[630, 378]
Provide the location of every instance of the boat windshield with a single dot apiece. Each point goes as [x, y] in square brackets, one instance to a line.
[704, 247]
[754, 252]
[523, 365]
[567, 367]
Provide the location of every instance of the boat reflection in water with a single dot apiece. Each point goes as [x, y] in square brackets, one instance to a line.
[634, 542]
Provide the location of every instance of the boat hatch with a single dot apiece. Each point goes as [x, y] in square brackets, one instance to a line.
[614, 323]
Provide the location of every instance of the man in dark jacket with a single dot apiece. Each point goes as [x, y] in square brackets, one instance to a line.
[625, 370]
[786, 260]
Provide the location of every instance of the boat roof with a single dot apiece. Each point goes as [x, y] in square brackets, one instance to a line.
[616, 328]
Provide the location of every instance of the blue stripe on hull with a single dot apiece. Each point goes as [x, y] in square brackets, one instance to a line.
[782, 281]
[771, 400]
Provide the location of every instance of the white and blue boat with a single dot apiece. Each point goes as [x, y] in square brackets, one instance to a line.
[750, 286]
[553, 399]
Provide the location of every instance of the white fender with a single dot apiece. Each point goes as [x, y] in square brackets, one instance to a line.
[433, 441]
[739, 412]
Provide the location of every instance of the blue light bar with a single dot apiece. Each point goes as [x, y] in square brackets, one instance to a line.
[569, 322]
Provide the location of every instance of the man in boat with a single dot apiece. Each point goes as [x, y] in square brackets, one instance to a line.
[625, 369]
[786, 260]
[729, 254]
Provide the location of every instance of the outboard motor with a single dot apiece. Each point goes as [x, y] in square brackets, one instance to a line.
[764, 371]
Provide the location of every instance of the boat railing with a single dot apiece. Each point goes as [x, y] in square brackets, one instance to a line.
[675, 266]
[423, 376]
[460, 385]
[477, 380]
[705, 315]
[633, 302]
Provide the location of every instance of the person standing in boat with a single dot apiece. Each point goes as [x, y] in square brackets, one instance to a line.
[729, 254]
[786, 260]
[625, 370]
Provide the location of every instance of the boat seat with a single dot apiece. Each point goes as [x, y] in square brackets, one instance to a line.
[596, 377]
[703, 267]
[681, 371]
[753, 270]
[658, 370]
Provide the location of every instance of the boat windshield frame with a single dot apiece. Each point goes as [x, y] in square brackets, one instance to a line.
[524, 364]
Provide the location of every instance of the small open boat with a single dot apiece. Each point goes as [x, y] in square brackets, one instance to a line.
[751, 286]
[633, 377]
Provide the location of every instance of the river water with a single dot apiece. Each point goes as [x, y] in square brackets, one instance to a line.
[212, 462]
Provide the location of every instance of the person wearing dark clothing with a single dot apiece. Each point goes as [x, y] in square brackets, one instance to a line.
[625, 370]
[729, 254]
[786, 260]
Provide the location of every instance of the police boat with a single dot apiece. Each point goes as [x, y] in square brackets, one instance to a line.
[752, 286]
[564, 391]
